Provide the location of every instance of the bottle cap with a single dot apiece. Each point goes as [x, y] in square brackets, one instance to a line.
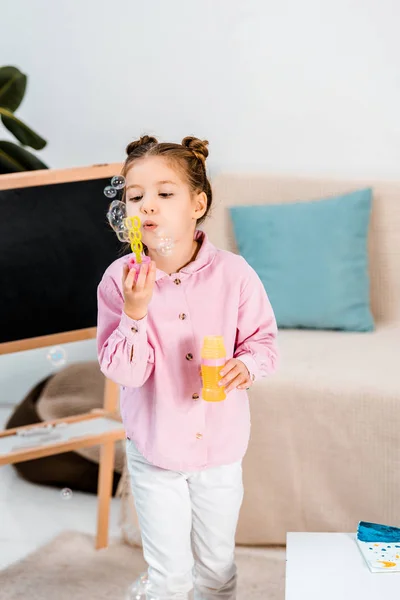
[213, 347]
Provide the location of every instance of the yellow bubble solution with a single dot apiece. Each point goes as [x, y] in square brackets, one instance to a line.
[213, 358]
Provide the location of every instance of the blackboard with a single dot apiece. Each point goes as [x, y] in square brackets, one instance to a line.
[55, 244]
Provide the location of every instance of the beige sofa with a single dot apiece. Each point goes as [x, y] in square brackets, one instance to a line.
[325, 445]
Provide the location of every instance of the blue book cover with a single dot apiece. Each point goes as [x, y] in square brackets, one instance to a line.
[380, 546]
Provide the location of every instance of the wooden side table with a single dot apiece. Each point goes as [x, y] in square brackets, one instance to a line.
[98, 427]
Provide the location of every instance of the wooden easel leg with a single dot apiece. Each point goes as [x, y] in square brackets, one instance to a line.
[111, 396]
[104, 493]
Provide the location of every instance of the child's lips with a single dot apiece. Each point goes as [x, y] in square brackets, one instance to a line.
[149, 226]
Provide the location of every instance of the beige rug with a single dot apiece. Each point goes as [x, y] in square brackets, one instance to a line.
[69, 568]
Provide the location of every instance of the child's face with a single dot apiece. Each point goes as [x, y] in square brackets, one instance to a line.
[157, 192]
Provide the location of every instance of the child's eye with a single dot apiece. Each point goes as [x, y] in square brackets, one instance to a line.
[135, 199]
[164, 195]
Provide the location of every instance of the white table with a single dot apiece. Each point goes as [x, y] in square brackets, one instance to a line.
[329, 566]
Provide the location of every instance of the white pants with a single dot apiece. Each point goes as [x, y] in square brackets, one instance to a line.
[188, 523]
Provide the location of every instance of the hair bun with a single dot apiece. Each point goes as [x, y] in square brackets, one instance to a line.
[198, 147]
[143, 141]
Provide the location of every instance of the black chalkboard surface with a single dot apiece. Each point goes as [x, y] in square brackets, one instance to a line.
[55, 244]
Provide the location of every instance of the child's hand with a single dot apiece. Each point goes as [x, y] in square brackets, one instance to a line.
[137, 295]
[235, 375]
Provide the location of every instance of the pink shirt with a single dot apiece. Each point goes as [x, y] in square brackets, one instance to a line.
[156, 360]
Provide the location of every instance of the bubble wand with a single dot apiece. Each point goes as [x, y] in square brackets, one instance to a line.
[133, 226]
[135, 237]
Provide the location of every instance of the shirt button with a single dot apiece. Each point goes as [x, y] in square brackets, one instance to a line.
[177, 281]
[199, 436]
[195, 396]
[189, 356]
[182, 316]
[134, 329]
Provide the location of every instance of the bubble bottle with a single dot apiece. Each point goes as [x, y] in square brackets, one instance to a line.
[213, 358]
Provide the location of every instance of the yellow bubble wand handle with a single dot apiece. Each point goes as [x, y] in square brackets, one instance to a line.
[135, 236]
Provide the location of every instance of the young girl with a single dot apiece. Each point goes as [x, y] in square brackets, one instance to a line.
[184, 455]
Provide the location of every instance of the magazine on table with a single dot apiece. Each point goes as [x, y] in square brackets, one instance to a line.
[380, 546]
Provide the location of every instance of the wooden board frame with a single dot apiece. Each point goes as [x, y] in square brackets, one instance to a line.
[111, 391]
[49, 177]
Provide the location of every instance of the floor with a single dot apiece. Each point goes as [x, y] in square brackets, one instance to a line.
[31, 515]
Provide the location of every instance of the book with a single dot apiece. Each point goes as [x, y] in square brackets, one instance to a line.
[380, 546]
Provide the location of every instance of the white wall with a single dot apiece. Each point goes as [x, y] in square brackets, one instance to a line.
[299, 85]
[308, 86]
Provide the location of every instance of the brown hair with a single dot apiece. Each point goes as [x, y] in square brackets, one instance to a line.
[190, 156]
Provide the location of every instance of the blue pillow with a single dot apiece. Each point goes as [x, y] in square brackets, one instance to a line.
[312, 258]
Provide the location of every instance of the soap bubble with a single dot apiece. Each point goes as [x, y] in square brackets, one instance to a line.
[165, 243]
[110, 191]
[122, 235]
[139, 590]
[66, 494]
[57, 356]
[116, 215]
[118, 182]
[165, 248]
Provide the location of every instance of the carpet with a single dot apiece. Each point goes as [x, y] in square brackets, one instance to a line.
[69, 568]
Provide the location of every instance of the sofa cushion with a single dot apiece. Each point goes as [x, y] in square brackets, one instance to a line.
[312, 258]
[349, 361]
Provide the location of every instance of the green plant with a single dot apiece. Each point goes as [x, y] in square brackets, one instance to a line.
[15, 157]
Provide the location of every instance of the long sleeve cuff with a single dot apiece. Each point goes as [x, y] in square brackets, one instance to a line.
[134, 331]
[250, 363]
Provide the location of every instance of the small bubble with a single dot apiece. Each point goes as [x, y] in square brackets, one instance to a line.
[66, 494]
[118, 182]
[165, 250]
[122, 235]
[110, 192]
[165, 243]
[140, 589]
[57, 356]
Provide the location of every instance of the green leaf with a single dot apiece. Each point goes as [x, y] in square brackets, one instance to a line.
[14, 158]
[22, 132]
[12, 87]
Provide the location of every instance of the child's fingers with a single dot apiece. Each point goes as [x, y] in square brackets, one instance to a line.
[245, 385]
[228, 366]
[125, 271]
[233, 372]
[128, 278]
[151, 275]
[141, 280]
[234, 383]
